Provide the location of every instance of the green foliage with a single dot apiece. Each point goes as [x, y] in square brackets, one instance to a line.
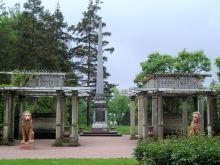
[1, 109]
[85, 34]
[185, 62]
[179, 151]
[20, 79]
[156, 63]
[118, 108]
[217, 62]
[125, 129]
[34, 39]
[44, 104]
[192, 62]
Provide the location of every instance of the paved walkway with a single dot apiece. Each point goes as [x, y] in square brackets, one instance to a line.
[90, 147]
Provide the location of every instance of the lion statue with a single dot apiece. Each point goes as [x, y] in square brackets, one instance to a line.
[195, 126]
[27, 128]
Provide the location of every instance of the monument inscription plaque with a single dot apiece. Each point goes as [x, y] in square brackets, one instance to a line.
[100, 116]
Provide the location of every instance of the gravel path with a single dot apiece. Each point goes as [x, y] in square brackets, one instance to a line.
[90, 147]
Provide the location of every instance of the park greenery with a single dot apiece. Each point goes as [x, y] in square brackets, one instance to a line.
[179, 151]
[185, 62]
[37, 39]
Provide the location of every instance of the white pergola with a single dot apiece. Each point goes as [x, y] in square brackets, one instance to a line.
[9, 94]
[158, 86]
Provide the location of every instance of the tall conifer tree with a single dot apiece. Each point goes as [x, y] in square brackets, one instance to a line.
[85, 35]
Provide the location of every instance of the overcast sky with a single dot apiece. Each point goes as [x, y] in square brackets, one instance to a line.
[141, 27]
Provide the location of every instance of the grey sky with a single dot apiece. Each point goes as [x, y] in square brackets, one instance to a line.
[141, 27]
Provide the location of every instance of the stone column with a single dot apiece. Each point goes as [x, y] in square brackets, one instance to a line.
[74, 135]
[5, 139]
[200, 106]
[185, 114]
[160, 117]
[140, 116]
[12, 116]
[215, 113]
[155, 115]
[132, 118]
[145, 117]
[21, 110]
[210, 116]
[63, 106]
[58, 141]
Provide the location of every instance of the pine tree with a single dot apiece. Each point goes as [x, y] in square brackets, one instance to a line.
[30, 43]
[85, 35]
[44, 41]
[57, 39]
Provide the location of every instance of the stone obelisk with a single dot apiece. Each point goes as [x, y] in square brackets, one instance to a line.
[100, 110]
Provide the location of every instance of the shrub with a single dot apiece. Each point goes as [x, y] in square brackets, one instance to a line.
[179, 151]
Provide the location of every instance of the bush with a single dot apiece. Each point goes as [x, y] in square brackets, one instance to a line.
[179, 151]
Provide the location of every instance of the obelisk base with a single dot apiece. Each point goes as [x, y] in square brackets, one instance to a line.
[100, 127]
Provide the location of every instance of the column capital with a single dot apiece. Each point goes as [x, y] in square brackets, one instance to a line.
[200, 96]
[132, 98]
[140, 96]
[7, 92]
[59, 92]
[154, 96]
[74, 93]
[141, 93]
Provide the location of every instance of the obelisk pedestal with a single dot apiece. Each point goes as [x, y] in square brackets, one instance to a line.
[99, 115]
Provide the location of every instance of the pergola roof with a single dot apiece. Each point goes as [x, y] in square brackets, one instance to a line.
[45, 73]
[175, 74]
[45, 91]
[167, 91]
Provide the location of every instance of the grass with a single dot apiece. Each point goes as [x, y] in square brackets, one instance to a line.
[123, 129]
[69, 161]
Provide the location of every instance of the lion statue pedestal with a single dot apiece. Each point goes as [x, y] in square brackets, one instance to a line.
[27, 141]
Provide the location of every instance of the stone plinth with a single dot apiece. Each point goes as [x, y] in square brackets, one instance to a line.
[29, 146]
[100, 114]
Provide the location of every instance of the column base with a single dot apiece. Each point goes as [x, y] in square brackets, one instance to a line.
[58, 143]
[73, 143]
[5, 141]
[133, 137]
[210, 131]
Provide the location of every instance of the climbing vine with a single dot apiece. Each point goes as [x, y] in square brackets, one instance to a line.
[20, 79]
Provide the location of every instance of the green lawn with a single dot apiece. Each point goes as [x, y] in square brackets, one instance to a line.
[69, 161]
[122, 129]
